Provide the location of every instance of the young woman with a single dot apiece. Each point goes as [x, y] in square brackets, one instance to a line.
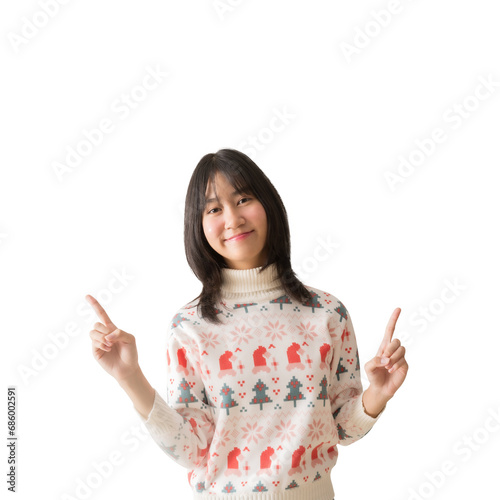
[263, 371]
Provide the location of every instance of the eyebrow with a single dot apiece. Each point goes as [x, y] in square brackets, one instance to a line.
[234, 193]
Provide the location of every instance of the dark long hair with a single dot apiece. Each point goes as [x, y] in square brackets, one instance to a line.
[243, 174]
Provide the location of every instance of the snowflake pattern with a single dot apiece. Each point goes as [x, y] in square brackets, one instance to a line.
[252, 432]
[255, 344]
[307, 331]
[275, 330]
[240, 335]
[220, 438]
[316, 429]
[208, 340]
[286, 430]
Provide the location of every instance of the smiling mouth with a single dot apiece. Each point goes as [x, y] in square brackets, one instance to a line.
[239, 236]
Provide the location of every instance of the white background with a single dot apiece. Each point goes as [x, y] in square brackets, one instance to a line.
[428, 243]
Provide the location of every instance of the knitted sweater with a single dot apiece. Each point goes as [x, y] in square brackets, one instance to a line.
[257, 406]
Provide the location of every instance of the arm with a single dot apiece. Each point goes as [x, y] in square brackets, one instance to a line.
[386, 371]
[140, 392]
[183, 427]
[373, 403]
[352, 418]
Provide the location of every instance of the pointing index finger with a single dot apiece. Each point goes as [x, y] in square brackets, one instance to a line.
[392, 324]
[103, 316]
[389, 331]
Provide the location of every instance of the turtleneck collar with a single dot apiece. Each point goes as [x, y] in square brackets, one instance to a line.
[238, 284]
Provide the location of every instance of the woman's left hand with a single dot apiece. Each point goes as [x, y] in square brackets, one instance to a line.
[387, 376]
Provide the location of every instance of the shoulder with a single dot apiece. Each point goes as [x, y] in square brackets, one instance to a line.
[182, 330]
[326, 298]
[328, 303]
[186, 318]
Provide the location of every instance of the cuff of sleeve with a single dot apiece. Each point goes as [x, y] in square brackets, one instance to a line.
[161, 418]
[361, 418]
[155, 404]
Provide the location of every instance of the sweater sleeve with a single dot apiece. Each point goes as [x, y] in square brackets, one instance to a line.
[183, 425]
[351, 420]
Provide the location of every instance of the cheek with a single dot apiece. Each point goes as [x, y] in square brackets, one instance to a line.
[206, 228]
[260, 215]
[210, 229]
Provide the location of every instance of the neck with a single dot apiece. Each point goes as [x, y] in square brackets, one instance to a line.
[250, 284]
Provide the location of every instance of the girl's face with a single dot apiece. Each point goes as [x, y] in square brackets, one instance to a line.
[235, 214]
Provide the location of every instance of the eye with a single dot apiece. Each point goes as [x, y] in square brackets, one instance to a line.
[218, 209]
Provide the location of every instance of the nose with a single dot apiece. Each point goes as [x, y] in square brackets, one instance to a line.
[233, 219]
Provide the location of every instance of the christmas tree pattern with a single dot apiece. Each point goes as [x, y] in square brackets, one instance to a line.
[177, 320]
[259, 488]
[219, 396]
[260, 394]
[342, 311]
[292, 485]
[227, 400]
[342, 433]
[218, 311]
[186, 396]
[244, 306]
[229, 488]
[200, 487]
[294, 394]
[284, 299]
[314, 302]
[170, 450]
[324, 387]
[340, 369]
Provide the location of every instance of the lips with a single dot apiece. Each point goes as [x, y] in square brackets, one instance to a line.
[238, 236]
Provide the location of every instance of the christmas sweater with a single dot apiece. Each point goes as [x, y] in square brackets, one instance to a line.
[256, 407]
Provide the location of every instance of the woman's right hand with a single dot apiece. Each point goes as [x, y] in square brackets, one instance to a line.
[114, 349]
